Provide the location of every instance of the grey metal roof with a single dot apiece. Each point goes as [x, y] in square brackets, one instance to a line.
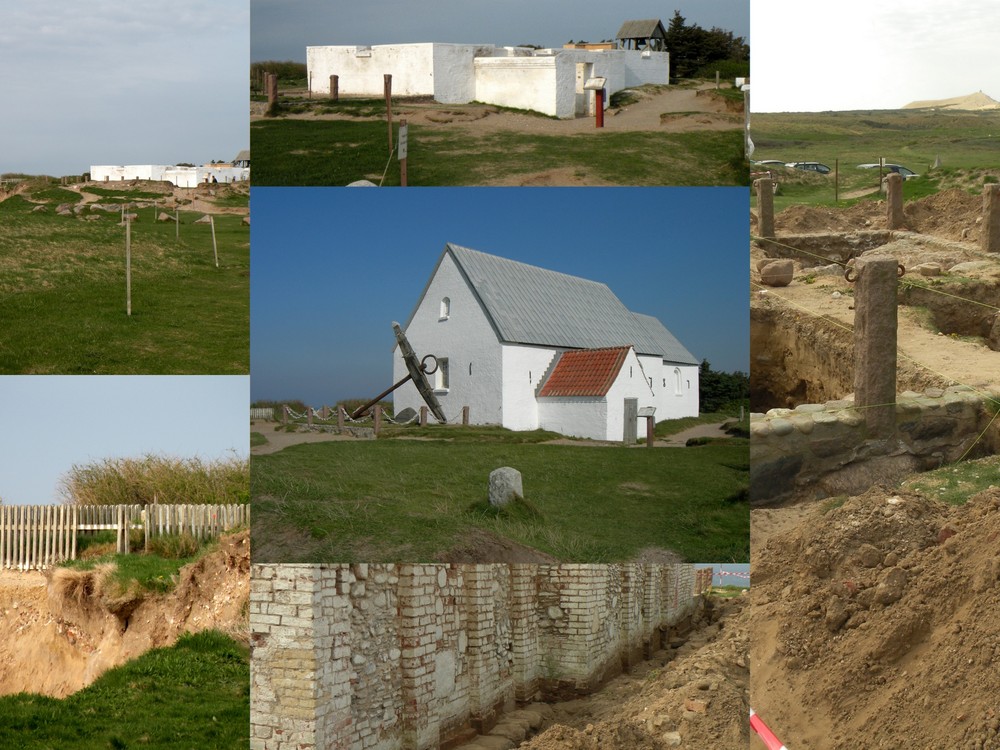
[641, 29]
[531, 305]
[671, 349]
[243, 155]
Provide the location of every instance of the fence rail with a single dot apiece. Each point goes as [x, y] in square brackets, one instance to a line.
[33, 537]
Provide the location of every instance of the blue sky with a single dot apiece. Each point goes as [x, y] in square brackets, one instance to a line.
[282, 29]
[333, 267]
[103, 82]
[858, 54]
[53, 422]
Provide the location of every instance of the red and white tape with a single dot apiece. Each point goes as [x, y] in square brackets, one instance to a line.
[758, 725]
[733, 575]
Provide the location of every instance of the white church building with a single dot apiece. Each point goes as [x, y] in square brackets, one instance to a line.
[551, 81]
[529, 348]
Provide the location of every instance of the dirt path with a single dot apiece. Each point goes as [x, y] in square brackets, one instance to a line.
[279, 440]
[687, 109]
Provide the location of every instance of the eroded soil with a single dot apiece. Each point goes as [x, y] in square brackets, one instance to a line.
[65, 628]
[875, 623]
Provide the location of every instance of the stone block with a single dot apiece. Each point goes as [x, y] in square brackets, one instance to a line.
[505, 485]
[777, 273]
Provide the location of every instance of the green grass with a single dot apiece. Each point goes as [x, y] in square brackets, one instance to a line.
[966, 143]
[299, 152]
[396, 500]
[194, 695]
[956, 483]
[154, 572]
[669, 427]
[257, 438]
[62, 295]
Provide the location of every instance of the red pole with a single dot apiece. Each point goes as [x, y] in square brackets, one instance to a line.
[599, 97]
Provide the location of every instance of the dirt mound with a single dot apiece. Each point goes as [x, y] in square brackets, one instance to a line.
[697, 699]
[482, 546]
[950, 214]
[65, 631]
[875, 625]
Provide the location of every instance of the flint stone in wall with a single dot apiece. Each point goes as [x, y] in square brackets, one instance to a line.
[777, 273]
[505, 485]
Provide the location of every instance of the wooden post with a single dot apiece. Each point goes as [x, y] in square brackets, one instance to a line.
[387, 83]
[284, 414]
[177, 225]
[716, 80]
[340, 417]
[423, 416]
[875, 342]
[128, 267]
[650, 431]
[894, 201]
[377, 414]
[215, 246]
[465, 415]
[309, 417]
[765, 207]
[989, 236]
[335, 88]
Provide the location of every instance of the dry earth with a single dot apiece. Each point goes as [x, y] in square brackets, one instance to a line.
[667, 109]
[875, 624]
[64, 628]
[692, 697]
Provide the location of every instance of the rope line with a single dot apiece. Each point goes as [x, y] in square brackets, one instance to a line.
[949, 294]
[771, 241]
[386, 170]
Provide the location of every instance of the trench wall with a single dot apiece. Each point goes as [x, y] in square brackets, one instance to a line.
[411, 657]
[825, 449]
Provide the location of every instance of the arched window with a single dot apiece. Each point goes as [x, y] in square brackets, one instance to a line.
[445, 308]
[677, 382]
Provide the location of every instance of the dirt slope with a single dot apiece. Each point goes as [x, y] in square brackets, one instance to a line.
[64, 629]
[875, 625]
[696, 698]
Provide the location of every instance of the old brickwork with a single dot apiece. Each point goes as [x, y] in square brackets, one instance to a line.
[409, 656]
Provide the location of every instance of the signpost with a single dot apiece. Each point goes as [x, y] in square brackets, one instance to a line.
[401, 145]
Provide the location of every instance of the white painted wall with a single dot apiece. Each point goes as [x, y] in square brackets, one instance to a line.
[523, 369]
[465, 338]
[361, 69]
[642, 67]
[574, 416]
[522, 82]
[671, 404]
[542, 80]
[186, 177]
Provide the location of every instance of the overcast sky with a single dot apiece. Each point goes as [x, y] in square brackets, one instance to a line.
[53, 422]
[282, 29]
[103, 82]
[333, 267]
[871, 54]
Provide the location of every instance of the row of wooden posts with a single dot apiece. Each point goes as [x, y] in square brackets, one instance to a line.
[127, 218]
[33, 537]
[401, 144]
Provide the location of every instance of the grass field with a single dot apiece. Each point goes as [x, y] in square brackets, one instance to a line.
[967, 144]
[337, 152]
[62, 291]
[194, 695]
[411, 500]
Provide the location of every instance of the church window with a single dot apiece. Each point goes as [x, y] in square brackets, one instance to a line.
[445, 308]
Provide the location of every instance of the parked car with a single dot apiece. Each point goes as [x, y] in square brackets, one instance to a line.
[809, 166]
[770, 163]
[908, 174]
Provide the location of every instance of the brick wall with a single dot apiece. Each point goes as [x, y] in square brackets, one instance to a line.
[408, 657]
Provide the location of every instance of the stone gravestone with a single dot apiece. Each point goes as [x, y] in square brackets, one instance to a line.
[505, 484]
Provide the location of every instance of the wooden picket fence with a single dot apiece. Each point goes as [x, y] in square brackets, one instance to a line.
[33, 537]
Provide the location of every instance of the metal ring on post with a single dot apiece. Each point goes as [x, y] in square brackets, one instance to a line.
[847, 275]
[423, 364]
[900, 271]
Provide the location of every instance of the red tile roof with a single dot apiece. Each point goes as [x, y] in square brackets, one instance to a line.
[587, 372]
